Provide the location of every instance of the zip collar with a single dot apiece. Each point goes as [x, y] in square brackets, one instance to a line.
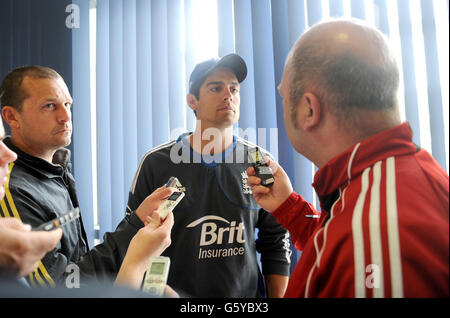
[338, 172]
[61, 161]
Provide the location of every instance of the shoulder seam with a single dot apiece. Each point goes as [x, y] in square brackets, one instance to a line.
[252, 145]
[160, 147]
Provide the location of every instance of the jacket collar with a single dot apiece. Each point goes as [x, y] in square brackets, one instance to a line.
[338, 172]
[61, 161]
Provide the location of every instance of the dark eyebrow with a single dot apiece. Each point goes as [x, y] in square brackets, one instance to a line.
[214, 83]
[221, 83]
[53, 100]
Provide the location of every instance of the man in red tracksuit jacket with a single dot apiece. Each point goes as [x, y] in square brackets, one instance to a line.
[384, 226]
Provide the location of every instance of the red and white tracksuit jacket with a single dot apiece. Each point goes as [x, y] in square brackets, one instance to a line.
[384, 226]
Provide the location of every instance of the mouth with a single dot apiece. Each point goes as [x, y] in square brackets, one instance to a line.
[63, 131]
[227, 109]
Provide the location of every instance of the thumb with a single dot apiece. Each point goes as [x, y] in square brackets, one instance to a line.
[47, 240]
[14, 224]
[272, 165]
[168, 221]
[155, 221]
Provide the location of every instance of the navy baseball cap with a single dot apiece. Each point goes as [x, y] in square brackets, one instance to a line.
[202, 70]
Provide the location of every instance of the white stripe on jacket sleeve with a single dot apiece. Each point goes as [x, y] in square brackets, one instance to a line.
[393, 233]
[375, 233]
[358, 238]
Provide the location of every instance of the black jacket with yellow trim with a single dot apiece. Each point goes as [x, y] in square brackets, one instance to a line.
[36, 192]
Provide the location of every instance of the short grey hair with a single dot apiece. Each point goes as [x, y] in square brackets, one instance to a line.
[343, 80]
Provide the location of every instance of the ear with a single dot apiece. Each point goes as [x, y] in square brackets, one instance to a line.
[192, 101]
[10, 115]
[309, 112]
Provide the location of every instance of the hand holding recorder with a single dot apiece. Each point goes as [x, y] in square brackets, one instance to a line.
[270, 198]
[153, 202]
[21, 249]
[150, 241]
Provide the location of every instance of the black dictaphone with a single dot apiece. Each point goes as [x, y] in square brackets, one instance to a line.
[262, 170]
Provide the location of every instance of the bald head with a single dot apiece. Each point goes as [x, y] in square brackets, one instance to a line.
[348, 65]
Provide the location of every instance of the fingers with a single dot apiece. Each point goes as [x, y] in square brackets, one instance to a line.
[147, 220]
[168, 222]
[170, 293]
[156, 220]
[47, 240]
[259, 189]
[273, 165]
[14, 223]
[253, 179]
[251, 171]
[152, 203]
[163, 193]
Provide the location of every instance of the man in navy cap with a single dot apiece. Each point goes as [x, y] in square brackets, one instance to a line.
[214, 246]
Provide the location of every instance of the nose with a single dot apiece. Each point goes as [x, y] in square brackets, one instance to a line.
[64, 114]
[6, 154]
[228, 94]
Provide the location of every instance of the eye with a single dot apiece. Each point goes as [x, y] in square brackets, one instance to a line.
[68, 105]
[49, 106]
[215, 89]
[234, 90]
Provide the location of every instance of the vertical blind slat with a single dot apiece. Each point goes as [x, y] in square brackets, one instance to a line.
[358, 9]
[81, 115]
[433, 79]
[265, 87]
[409, 74]
[336, 8]
[296, 19]
[189, 58]
[177, 109]
[129, 105]
[244, 47]
[225, 27]
[144, 76]
[383, 19]
[314, 11]
[160, 79]
[103, 121]
[116, 116]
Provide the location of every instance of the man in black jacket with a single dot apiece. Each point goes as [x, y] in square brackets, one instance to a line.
[36, 104]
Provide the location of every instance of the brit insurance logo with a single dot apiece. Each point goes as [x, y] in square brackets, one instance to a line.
[217, 234]
[245, 187]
